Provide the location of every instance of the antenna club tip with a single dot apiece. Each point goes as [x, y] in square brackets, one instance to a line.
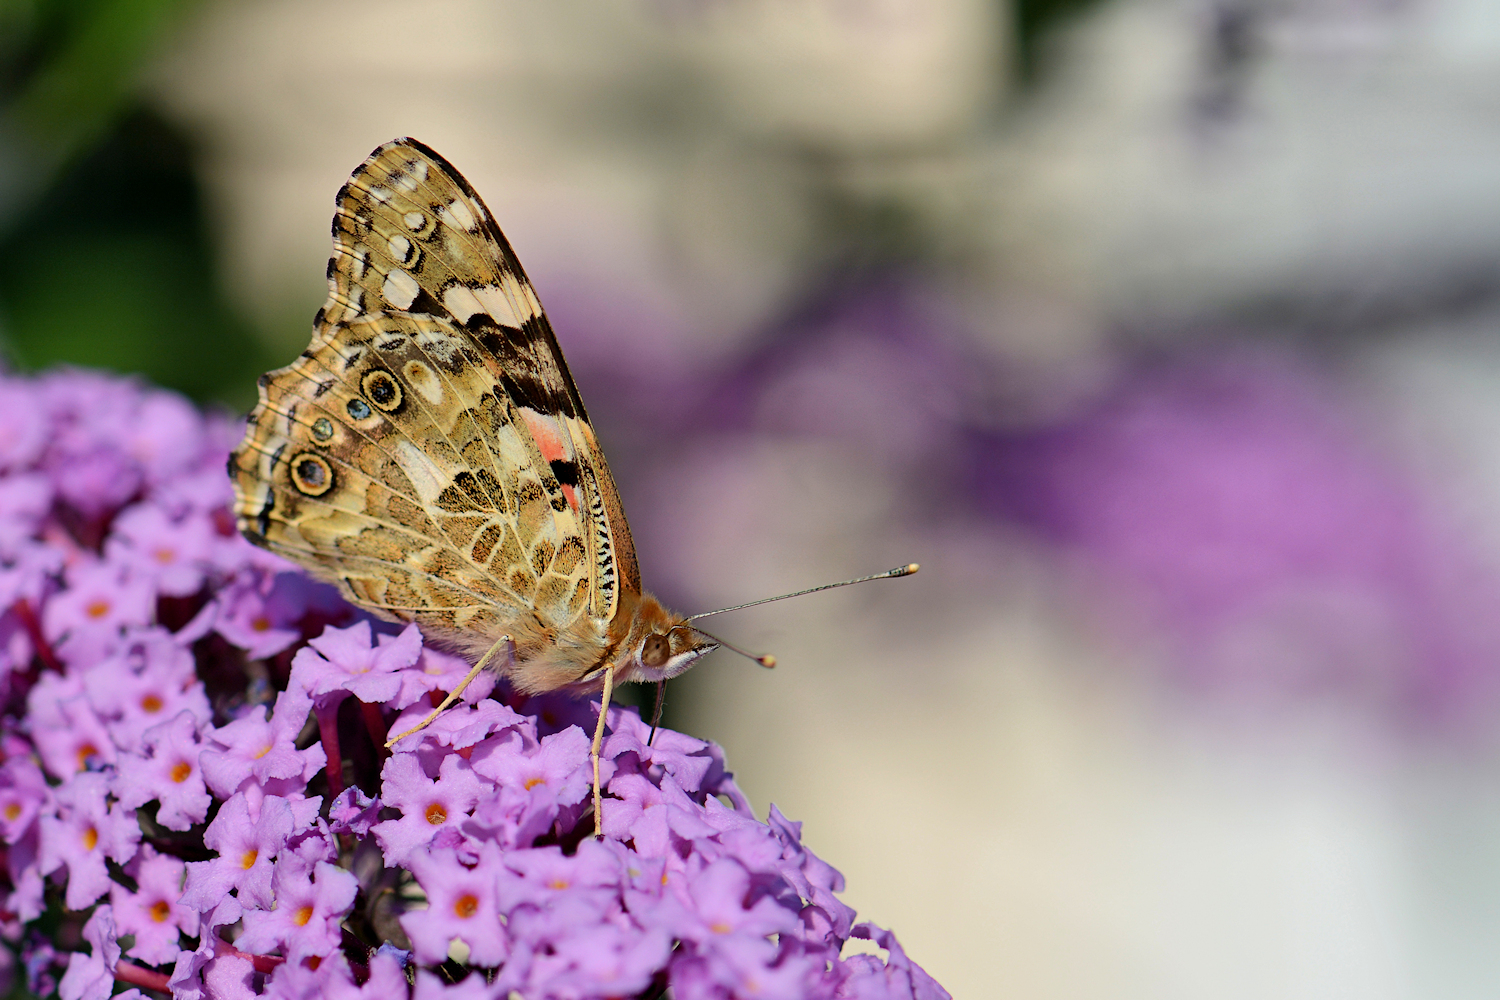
[766, 661]
[911, 568]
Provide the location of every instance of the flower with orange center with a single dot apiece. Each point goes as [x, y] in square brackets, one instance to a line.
[461, 904]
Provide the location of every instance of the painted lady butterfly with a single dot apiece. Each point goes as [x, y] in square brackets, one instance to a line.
[429, 453]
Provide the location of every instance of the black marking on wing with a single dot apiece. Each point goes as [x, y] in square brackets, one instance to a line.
[426, 303]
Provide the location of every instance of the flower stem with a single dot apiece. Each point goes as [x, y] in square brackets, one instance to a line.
[135, 975]
[328, 729]
[375, 724]
[33, 627]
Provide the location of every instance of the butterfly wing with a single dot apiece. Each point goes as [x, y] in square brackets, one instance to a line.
[429, 451]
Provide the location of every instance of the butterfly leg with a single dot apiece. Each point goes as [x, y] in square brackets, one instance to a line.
[609, 686]
[453, 695]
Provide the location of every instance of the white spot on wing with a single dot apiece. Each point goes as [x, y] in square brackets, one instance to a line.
[457, 214]
[497, 304]
[424, 380]
[400, 289]
[406, 181]
[415, 221]
[460, 301]
[424, 474]
[463, 301]
[399, 246]
[361, 261]
[380, 195]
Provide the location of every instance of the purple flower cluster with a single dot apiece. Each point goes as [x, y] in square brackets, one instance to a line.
[195, 797]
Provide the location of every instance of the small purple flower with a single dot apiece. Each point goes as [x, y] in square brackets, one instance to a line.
[102, 598]
[868, 978]
[171, 553]
[538, 877]
[215, 970]
[341, 662]
[25, 501]
[438, 673]
[310, 904]
[154, 913]
[147, 681]
[589, 959]
[471, 987]
[719, 895]
[23, 865]
[387, 976]
[535, 781]
[95, 481]
[686, 759]
[260, 612]
[228, 975]
[246, 846]
[313, 978]
[164, 434]
[92, 976]
[23, 792]
[655, 817]
[84, 832]
[460, 904]
[353, 812]
[262, 751]
[427, 805]
[464, 726]
[69, 734]
[166, 770]
[23, 426]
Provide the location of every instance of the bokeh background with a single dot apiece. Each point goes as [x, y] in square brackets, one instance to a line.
[1165, 334]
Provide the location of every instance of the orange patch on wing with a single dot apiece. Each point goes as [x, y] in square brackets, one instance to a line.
[547, 433]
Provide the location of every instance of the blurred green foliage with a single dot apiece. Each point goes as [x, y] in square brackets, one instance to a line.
[113, 268]
[67, 67]
[105, 251]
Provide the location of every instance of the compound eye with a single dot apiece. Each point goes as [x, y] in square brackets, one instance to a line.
[655, 651]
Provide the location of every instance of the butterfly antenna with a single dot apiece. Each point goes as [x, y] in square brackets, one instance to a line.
[889, 574]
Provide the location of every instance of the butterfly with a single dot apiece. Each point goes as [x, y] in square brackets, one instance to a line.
[430, 455]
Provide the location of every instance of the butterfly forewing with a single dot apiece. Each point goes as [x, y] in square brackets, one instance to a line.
[429, 451]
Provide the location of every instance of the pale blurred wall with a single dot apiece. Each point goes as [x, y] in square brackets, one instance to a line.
[1014, 796]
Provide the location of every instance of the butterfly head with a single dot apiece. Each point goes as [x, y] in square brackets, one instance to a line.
[662, 645]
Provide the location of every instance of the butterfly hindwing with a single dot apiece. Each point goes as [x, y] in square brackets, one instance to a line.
[371, 465]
